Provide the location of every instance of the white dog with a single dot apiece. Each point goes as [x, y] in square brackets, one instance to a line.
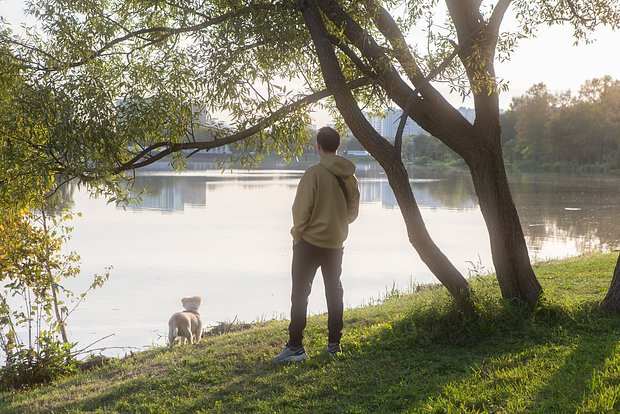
[187, 324]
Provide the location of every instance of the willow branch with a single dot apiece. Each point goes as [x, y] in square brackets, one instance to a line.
[388, 27]
[433, 115]
[335, 81]
[151, 35]
[357, 61]
[169, 148]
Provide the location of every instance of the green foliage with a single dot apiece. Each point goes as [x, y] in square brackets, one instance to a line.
[105, 86]
[423, 146]
[100, 87]
[584, 16]
[48, 361]
[560, 133]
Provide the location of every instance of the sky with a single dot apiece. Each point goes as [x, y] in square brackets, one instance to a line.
[550, 58]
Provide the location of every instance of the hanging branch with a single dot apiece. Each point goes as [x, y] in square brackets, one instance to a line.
[145, 156]
[151, 35]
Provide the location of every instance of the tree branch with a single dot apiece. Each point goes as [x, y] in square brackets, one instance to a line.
[406, 111]
[365, 69]
[335, 82]
[164, 33]
[388, 27]
[435, 115]
[495, 21]
[159, 34]
[170, 148]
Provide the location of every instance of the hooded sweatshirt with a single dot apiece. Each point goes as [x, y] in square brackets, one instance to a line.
[321, 215]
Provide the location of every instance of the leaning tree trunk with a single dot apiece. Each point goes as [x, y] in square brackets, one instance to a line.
[612, 299]
[384, 153]
[509, 251]
[418, 235]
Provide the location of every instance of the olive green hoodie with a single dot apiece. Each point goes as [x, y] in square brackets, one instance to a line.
[321, 216]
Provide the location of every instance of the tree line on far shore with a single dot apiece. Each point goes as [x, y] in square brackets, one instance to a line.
[550, 132]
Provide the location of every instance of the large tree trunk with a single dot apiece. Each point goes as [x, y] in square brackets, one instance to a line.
[385, 154]
[509, 252]
[510, 256]
[612, 299]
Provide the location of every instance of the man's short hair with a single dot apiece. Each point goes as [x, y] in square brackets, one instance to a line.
[328, 138]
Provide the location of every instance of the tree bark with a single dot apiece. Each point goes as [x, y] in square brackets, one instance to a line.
[418, 235]
[612, 299]
[514, 272]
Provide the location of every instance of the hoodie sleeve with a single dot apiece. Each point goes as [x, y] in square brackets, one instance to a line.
[354, 198]
[303, 204]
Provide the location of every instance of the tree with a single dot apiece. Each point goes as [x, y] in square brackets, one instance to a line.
[163, 59]
[602, 97]
[33, 268]
[612, 299]
[533, 112]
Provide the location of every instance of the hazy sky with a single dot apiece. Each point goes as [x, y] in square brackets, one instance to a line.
[550, 58]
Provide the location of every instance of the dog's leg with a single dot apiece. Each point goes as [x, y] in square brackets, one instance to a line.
[198, 330]
[172, 333]
[185, 332]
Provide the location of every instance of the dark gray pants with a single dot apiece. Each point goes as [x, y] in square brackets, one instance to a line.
[307, 258]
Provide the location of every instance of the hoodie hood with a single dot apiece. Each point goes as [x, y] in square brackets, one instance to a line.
[337, 165]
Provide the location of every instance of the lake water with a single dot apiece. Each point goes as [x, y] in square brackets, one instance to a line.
[225, 236]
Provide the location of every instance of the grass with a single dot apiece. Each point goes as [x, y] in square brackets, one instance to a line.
[413, 353]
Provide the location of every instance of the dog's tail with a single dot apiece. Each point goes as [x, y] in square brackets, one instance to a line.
[172, 333]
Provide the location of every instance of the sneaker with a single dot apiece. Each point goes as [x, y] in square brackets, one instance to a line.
[333, 348]
[290, 354]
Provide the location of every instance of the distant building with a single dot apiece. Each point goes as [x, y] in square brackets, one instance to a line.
[387, 125]
[357, 153]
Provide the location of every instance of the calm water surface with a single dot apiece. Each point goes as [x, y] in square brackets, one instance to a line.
[226, 238]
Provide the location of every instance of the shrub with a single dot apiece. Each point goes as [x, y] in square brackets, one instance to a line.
[51, 359]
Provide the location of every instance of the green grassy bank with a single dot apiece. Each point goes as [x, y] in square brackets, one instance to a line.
[413, 353]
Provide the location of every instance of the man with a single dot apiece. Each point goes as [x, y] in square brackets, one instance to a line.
[327, 200]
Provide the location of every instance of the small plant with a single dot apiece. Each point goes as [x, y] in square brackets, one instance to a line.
[476, 268]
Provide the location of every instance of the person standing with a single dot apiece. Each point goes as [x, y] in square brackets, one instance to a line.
[326, 202]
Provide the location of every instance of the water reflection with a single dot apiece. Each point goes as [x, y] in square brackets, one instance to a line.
[561, 215]
[564, 215]
[172, 193]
